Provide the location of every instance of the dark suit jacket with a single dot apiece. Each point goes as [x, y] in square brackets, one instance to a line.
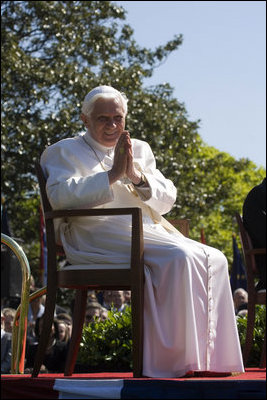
[6, 353]
[254, 218]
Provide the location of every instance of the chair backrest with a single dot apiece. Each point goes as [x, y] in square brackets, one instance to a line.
[247, 248]
[182, 225]
[42, 185]
[96, 278]
[46, 207]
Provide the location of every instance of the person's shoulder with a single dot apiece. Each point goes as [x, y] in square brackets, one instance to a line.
[257, 191]
[67, 145]
[66, 142]
[138, 143]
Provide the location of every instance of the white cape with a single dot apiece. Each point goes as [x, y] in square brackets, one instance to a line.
[189, 320]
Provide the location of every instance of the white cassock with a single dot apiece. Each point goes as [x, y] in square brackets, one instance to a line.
[189, 320]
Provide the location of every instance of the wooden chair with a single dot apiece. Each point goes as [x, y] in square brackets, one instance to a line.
[96, 277]
[254, 297]
[182, 225]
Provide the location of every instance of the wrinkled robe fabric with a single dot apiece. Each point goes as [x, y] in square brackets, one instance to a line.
[189, 320]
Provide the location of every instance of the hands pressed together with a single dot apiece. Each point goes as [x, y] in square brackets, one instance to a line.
[123, 161]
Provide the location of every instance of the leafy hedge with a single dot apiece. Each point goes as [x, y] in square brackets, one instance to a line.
[106, 345]
[258, 336]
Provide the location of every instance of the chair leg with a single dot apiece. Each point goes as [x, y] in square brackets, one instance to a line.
[137, 330]
[78, 321]
[46, 330]
[249, 334]
[263, 354]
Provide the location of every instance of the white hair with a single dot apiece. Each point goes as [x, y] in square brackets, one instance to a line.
[103, 92]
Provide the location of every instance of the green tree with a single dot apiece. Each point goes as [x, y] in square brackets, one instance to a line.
[211, 185]
[53, 53]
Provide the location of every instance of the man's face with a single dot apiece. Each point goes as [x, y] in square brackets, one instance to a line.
[107, 121]
[9, 321]
[240, 298]
[117, 298]
[91, 313]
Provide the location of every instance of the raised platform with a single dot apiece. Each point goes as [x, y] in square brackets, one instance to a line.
[250, 385]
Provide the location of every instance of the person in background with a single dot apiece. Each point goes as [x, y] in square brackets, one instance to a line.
[104, 314]
[107, 299]
[67, 319]
[254, 220]
[127, 297]
[93, 312]
[91, 296]
[240, 297]
[6, 340]
[58, 309]
[118, 300]
[9, 317]
[56, 352]
[63, 331]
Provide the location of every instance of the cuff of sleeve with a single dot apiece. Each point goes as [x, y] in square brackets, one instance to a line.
[142, 183]
[144, 193]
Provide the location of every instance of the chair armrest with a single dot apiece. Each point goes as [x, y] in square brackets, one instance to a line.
[181, 224]
[92, 212]
[256, 251]
[137, 246]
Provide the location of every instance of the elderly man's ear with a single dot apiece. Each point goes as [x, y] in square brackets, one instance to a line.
[84, 118]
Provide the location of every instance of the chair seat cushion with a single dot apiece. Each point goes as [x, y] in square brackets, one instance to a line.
[95, 266]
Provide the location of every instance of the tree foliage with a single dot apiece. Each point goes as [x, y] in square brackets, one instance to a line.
[53, 53]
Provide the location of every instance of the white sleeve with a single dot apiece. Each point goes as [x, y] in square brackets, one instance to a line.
[71, 184]
[161, 194]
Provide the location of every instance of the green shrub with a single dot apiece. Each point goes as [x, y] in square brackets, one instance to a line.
[107, 345]
[258, 335]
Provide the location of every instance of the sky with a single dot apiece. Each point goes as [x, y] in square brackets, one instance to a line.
[219, 71]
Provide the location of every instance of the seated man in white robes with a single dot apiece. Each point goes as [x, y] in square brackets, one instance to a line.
[189, 320]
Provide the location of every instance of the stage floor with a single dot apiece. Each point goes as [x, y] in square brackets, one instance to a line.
[250, 385]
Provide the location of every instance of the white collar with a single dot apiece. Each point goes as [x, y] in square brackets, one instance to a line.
[92, 142]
